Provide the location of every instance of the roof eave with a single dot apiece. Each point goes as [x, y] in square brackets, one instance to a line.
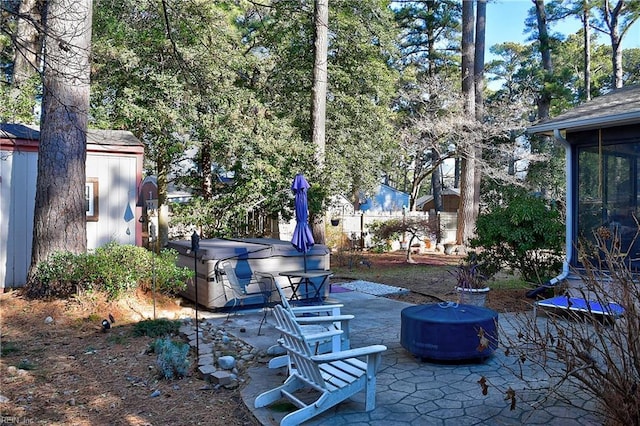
[630, 117]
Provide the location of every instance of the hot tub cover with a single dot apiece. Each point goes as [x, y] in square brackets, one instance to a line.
[245, 248]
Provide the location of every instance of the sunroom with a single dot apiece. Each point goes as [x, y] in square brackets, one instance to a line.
[602, 145]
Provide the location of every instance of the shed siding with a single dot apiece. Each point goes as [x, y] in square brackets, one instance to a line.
[116, 188]
[18, 172]
[119, 173]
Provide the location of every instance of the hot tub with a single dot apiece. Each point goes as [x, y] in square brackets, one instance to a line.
[248, 256]
[448, 331]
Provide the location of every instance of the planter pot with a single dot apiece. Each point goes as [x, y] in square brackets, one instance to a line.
[335, 222]
[448, 248]
[472, 296]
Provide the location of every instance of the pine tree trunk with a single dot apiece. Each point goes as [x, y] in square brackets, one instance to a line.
[319, 100]
[467, 184]
[59, 215]
[478, 79]
[544, 98]
[28, 42]
[587, 49]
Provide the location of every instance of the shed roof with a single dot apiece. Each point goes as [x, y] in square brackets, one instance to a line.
[99, 137]
[616, 108]
[421, 201]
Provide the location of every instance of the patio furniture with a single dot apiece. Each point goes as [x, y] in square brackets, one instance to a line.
[336, 376]
[449, 331]
[240, 294]
[299, 278]
[578, 304]
[313, 320]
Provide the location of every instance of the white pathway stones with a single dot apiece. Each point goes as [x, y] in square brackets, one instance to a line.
[375, 289]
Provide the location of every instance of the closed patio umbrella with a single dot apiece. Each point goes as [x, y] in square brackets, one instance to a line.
[302, 238]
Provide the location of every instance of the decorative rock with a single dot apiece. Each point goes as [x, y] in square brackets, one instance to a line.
[12, 370]
[221, 378]
[155, 394]
[225, 339]
[48, 320]
[226, 362]
[206, 371]
[205, 360]
[206, 349]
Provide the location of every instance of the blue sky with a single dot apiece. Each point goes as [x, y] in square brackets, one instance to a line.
[505, 22]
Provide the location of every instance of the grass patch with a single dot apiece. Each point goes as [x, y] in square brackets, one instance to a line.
[392, 275]
[509, 283]
[117, 339]
[25, 364]
[9, 348]
[156, 328]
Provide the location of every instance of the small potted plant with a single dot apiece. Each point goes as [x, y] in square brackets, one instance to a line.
[470, 283]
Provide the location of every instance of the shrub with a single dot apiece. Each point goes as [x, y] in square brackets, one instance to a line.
[169, 278]
[156, 328]
[113, 269]
[525, 233]
[379, 238]
[61, 275]
[417, 228]
[171, 359]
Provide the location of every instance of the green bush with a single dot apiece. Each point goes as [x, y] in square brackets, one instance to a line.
[171, 360]
[114, 269]
[60, 276]
[380, 238]
[156, 328]
[169, 278]
[523, 233]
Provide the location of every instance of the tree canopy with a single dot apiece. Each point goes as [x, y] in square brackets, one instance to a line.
[220, 94]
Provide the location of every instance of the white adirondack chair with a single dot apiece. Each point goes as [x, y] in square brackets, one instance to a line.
[336, 376]
[316, 320]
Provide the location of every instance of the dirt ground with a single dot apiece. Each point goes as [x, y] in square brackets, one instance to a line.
[68, 372]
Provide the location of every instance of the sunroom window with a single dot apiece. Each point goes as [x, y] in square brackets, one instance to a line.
[608, 198]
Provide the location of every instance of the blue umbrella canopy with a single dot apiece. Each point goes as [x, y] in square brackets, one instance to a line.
[302, 238]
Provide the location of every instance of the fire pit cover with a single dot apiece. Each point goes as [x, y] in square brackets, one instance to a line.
[449, 331]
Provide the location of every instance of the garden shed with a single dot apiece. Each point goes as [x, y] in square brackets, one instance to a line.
[450, 201]
[113, 170]
[602, 145]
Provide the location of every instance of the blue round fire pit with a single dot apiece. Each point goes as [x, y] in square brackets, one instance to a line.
[448, 331]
